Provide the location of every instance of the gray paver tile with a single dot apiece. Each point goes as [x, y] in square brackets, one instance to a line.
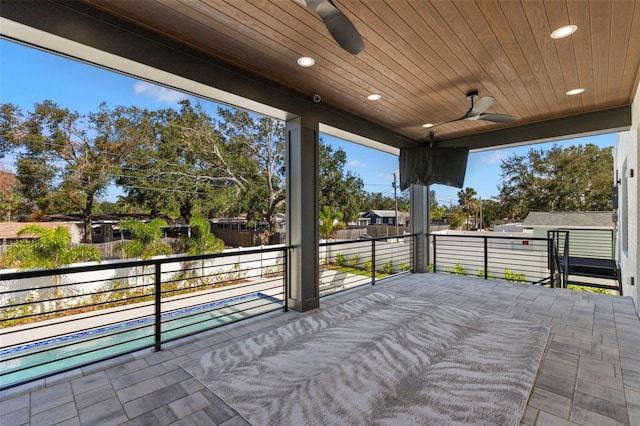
[94, 396]
[150, 402]
[105, 413]
[54, 415]
[189, 404]
[140, 389]
[13, 404]
[601, 406]
[195, 419]
[135, 377]
[87, 383]
[159, 417]
[585, 417]
[217, 410]
[51, 397]
[550, 402]
[15, 417]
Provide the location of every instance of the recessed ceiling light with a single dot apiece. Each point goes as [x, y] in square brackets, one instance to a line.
[575, 92]
[565, 31]
[374, 97]
[426, 126]
[306, 61]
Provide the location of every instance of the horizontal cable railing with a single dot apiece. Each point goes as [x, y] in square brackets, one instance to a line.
[591, 243]
[59, 319]
[517, 259]
[348, 264]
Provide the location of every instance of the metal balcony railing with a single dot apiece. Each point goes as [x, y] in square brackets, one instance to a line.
[521, 259]
[348, 264]
[60, 319]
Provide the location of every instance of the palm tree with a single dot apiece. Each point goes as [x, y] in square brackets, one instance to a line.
[49, 250]
[467, 200]
[146, 239]
[330, 222]
[201, 240]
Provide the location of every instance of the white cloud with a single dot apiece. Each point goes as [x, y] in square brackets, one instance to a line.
[496, 157]
[387, 176]
[160, 94]
[356, 163]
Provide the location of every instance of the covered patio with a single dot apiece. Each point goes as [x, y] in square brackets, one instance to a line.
[422, 58]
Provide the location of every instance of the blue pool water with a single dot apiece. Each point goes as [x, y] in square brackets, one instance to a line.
[25, 362]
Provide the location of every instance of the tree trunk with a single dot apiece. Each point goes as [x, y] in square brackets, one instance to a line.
[88, 219]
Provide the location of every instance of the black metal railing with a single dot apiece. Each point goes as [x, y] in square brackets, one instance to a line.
[348, 264]
[521, 259]
[60, 319]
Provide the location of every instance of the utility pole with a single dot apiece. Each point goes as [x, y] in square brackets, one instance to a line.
[395, 196]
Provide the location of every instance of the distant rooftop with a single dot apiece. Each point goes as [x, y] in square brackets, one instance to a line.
[570, 219]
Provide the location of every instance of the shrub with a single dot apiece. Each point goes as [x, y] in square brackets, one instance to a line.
[589, 289]
[404, 267]
[480, 274]
[368, 265]
[340, 260]
[457, 270]
[514, 277]
[353, 262]
[388, 268]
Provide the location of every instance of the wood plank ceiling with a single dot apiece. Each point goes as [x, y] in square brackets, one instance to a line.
[421, 56]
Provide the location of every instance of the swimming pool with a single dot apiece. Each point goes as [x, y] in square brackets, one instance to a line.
[27, 362]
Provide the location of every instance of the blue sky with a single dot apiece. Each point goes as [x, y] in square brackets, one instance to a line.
[28, 76]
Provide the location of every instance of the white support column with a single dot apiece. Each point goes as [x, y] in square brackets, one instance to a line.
[419, 199]
[302, 213]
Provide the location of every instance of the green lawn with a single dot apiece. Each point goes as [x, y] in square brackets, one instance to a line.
[355, 271]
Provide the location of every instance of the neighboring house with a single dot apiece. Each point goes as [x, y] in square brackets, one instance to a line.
[9, 230]
[385, 217]
[592, 234]
[540, 222]
[626, 178]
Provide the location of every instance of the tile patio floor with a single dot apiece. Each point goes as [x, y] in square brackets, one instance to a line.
[590, 374]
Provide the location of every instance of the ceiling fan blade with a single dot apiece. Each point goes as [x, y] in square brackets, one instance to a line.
[340, 27]
[481, 106]
[497, 118]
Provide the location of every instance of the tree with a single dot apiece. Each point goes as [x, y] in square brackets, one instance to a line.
[69, 159]
[330, 222]
[337, 189]
[11, 201]
[146, 239]
[49, 250]
[577, 178]
[200, 240]
[183, 165]
[256, 145]
[467, 201]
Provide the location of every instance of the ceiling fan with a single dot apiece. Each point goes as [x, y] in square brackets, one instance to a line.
[340, 27]
[477, 110]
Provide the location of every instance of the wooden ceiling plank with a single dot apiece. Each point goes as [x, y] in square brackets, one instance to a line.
[393, 92]
[528, 89]
[621, 22]
[478, 57]
[289, 70]
[498, 40]
[558, 16]
[454, 78]
[631, 74]
[404, 57]
[600, 13]
[582, 49]
[526, 40]
[541, 30]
